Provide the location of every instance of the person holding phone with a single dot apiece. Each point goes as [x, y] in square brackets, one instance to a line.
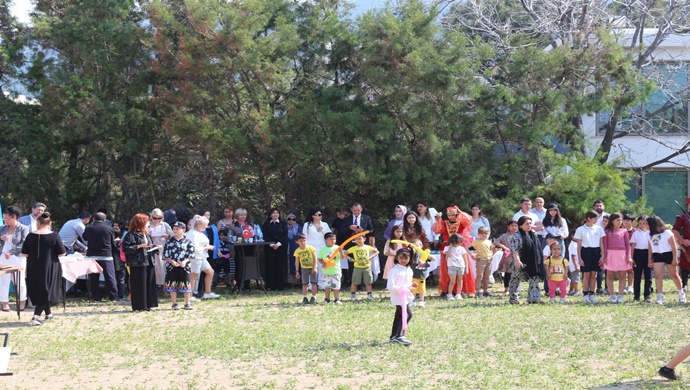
[137, 246]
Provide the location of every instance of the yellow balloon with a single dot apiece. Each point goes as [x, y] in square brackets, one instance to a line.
[425, 252]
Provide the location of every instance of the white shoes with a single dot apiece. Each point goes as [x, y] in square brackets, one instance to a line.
[552, 300]
[562, 301]
[682, 298]
[412, 304]
[659, 299]
[593, 299]
[211, 295]
[585, 299]
[421, 304]
[195, 299]
[613, 299]
[450, 297]
[458, 297]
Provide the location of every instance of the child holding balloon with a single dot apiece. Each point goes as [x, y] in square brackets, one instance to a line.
[400, 285]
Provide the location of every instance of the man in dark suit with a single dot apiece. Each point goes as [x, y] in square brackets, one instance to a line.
[358, 223]
[101, 246]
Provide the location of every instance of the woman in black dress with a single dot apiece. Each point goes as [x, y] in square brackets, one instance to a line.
[275, 230]
[141, 262]
[42, 248]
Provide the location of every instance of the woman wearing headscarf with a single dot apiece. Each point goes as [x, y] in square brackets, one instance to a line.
[400, 212]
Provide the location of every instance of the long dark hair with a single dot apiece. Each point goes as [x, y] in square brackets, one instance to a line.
[310, 217]
[556, 221]
[613, 217]
[417, 227]
[656, 225]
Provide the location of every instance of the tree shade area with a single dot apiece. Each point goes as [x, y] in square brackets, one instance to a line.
[201, 104]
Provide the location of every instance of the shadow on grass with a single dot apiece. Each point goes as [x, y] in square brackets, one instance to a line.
[650, 384]
[354, 346]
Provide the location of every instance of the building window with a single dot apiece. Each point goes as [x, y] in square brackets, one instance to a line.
[666, 111]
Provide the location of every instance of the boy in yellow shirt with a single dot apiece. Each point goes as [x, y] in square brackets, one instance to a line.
[361, 256]
[484, 254]
[305, 264]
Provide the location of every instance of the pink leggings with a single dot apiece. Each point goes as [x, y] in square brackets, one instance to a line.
[563, 285]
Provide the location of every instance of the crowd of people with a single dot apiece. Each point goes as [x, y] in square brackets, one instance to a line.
[183, 253]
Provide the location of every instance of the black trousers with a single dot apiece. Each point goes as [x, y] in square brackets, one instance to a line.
[143, 287]
[275, 267]
[506, 279]
[120, 279]
[641, 267]
[397, 321]
[110, 282]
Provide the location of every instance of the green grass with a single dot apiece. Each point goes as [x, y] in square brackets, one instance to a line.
[261, 341]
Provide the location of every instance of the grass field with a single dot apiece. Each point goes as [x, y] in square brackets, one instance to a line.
[258, 341]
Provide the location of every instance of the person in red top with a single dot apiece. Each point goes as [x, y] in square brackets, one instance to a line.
[458, 222]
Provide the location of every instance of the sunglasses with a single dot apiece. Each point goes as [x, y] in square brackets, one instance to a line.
[157, 218]
[317, 215]
[291, 219]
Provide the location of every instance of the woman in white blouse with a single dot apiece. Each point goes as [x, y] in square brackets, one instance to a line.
[315, 228]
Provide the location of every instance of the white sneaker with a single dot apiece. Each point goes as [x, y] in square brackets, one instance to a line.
[458, 297]
[552, 300]
[562, 301]
[194, 299]
[450, 297]
[421, 304]
[682, 298]
[620, 299]
[613, 299]
[659, 299]
[211, 295]
[629, 290]
[593, 299]
[412, 304]
[353, 297]
[585, 299]
[578, 294]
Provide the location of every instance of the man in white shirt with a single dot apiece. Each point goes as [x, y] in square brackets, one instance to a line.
[525, 211]
[29, 220]
[538, 226]
[72, 231]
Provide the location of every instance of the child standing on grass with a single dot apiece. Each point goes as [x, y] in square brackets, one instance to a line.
[639, 244]
[663, 253]
[616, 256]
[503, 241]
[305, 264]
[483, 247]
[420, 271]
[588, 239]
[399, 284]
[178, 252]
[391, 249]
[456, 257]
[361, 256]
[331, 275]
[574, 265]
[556, 267]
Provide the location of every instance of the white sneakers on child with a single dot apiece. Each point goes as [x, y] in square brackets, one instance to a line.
[682, 298]
[458, 297]
[450, 297]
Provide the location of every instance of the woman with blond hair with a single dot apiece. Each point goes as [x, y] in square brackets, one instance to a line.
[160, 232]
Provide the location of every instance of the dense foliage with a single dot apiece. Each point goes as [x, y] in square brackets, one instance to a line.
[259, 103]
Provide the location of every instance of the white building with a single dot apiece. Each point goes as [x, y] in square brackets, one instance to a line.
[665, 135]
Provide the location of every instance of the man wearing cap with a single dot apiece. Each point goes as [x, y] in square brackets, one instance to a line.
[683, 223]
[458, 222]
[29, 220]
[100, 239]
